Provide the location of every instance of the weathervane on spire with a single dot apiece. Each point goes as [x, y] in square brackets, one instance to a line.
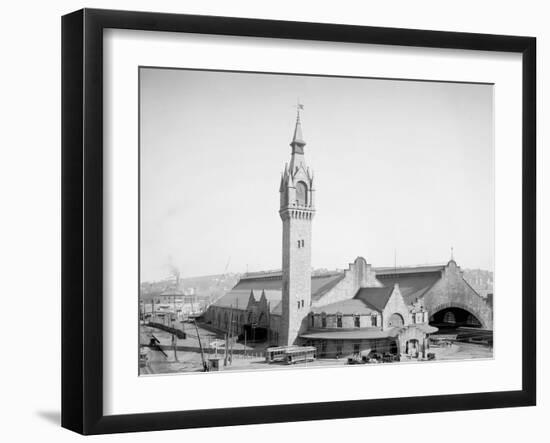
[298, 142]
[298, 107]
[452, 254]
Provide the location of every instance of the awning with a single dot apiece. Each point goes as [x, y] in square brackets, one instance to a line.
[356, 334]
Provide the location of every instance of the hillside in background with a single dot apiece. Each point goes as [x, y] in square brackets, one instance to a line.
[207, 287]
[211, 287]
[480, 280]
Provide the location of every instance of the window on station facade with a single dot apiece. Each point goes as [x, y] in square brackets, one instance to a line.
[374, 320]
[323, 320]
[338, 320]
[357, 320]
[312, 320]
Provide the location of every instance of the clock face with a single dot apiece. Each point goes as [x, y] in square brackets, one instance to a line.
[301, 193]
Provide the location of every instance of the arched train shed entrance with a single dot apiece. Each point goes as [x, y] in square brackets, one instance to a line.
[450, 315]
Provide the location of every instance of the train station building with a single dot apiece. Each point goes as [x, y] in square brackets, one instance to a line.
[342, 313]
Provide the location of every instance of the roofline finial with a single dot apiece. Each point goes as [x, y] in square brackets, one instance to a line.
[298, 107]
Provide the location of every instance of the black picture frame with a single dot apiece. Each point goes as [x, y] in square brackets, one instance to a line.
[82, 220]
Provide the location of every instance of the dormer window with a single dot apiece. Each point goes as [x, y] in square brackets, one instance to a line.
[323, 320]
[338, 320]
[357, 320]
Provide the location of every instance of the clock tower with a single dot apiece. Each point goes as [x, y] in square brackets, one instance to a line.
[297, 208]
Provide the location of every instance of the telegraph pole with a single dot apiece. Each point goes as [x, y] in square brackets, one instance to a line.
[204, 365]
[231, 337]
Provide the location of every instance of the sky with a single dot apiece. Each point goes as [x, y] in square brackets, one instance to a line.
[403, 170]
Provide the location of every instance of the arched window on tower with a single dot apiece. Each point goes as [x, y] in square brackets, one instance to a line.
[301, 194]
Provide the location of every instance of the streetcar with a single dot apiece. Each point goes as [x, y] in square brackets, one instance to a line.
[290, 354]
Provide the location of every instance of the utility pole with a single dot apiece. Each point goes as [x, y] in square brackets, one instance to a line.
[227, 332]
[204, 365]
[231, 352]
[231, 337]
[174, 305]
[175, 346]
[225, 350]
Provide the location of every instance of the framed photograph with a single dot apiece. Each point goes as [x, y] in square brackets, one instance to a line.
[268, 221]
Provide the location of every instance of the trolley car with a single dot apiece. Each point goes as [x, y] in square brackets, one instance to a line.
[290, 354]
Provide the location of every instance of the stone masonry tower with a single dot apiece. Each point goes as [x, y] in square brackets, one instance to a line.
[296, 211]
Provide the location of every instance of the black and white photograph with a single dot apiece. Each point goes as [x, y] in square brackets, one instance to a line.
[300, 221]
[256, 221]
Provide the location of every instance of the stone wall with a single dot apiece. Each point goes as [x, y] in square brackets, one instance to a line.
[348, 321]
[296, 297]
[358, 275]
[396, 305]
[453, 291]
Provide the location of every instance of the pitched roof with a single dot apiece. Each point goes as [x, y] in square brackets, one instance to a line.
[298, 138]
[413, 282]
[409, 269]
[272, 283]
[234, 299]
[376, 298]
[350, 306]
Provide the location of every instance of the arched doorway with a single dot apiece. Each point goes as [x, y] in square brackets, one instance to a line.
[412, 348]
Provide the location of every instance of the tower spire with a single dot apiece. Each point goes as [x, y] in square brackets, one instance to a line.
[298, 142]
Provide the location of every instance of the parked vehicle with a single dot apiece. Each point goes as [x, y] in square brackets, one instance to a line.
[290, 354]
